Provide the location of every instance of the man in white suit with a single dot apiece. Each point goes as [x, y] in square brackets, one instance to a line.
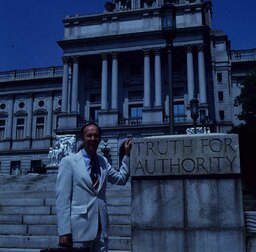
[81, 193]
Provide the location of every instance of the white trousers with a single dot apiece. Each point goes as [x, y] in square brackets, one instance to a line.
[99, 244]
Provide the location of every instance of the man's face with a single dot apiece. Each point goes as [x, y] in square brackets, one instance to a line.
[91, 139]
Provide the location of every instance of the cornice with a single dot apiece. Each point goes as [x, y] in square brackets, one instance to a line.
[68, 43]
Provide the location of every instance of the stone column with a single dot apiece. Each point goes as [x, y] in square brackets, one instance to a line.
[10, 116]
[170, 87]
[114, 87]
[190, 73]
[146, 79]
[74, 92]
[158, 79]
[201, 73]
[30, 116]
[64, 101]
[50, 115]
[104, 82]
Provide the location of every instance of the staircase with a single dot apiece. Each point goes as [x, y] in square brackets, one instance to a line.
[28, 220]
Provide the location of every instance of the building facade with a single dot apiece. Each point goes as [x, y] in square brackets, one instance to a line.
[30, 101]
[133, 69]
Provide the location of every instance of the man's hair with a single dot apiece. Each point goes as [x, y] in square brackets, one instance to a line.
[89, 124]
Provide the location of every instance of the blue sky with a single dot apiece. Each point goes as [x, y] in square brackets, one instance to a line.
[29, 29]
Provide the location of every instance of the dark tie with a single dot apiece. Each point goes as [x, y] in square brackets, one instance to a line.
[95, 172]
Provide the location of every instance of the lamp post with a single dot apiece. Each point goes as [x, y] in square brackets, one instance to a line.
[207, 128]
[194, 111]
[169, 27]
[203, 118]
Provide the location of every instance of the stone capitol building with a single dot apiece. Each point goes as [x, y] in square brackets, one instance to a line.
[133, 69]
[138, 69]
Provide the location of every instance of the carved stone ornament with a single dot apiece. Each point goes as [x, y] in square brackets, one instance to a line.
[65, 145]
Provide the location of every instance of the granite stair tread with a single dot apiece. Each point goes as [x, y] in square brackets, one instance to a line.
[28, 219]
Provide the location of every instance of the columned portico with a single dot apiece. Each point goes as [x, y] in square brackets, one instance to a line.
[104, 83]
[158, 79]
[67, 120]
[201, 75]
[109, 117]
[190, 73]
[146, 101]
[74, 95]
[152, 115]
[114, 86]
[64, 103]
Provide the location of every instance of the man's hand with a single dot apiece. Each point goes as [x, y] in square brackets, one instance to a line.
[65, 241]
[128, 146]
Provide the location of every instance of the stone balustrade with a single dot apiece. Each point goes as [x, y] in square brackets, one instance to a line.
[243, 55]
[33, 73]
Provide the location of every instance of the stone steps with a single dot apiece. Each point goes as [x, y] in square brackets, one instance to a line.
[46, 241]
[28, 216]
[51, 229]
[38, 250]
[19, 250]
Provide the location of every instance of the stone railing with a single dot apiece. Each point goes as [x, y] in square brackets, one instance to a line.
[243, 55]
[186, 1]
[178, 118]
[131, 121]
[33, 73]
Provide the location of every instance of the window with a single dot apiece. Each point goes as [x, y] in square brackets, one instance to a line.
[95, 98]
[219, 77]
[135, 69]
[94, 113]
[20, 126]
[179, 111]
[2, 129]
[96, 73]
[220, 96]
[41, 103]
[222, 115]
[15, 168]
[135, 95]
[2, 106]
[35, 165]
[135, 111]
[39, 127]
[21, 105]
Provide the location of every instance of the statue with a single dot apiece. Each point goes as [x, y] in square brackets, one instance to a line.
[122, 5]
[199, 130]
[65, 145]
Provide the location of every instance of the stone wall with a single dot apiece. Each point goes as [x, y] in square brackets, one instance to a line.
[186, 194]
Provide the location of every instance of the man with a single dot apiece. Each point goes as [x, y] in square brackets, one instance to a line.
[81, 193]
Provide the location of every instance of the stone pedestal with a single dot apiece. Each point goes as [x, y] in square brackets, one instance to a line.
[67, 121]
[186, 194]
[152, 115]
[108, 118]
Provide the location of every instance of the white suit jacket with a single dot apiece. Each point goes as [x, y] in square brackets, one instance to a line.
[78, 205]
